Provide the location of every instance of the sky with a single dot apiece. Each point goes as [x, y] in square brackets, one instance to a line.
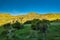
[16, 7]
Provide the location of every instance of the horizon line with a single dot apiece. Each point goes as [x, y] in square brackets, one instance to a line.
[15, 14]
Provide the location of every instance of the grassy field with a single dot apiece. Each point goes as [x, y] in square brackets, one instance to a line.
[53, 33]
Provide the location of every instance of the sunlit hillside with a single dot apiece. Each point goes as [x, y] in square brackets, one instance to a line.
[5, 18]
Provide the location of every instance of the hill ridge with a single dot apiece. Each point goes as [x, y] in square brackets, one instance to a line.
[4, 18]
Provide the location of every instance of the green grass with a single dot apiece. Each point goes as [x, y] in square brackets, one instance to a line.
[53, 33]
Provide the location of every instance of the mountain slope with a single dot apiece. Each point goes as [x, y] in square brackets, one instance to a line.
[5, 18]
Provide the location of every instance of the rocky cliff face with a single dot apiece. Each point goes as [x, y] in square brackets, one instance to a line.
[5, 18]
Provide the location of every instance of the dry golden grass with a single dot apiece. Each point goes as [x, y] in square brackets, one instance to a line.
[5, 18]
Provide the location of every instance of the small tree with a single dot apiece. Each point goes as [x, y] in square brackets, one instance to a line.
[7, 30]
[17, 25]
[41, 25]
[10, 29]
[35, 23]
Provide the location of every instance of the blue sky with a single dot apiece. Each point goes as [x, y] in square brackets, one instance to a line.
[16, 7]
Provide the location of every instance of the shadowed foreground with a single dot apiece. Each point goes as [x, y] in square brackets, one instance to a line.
[28, 32]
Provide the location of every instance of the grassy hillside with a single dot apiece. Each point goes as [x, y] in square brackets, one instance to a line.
[53, 33]
[5, 18]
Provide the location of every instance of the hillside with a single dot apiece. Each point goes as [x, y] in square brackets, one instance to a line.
[5, 18]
